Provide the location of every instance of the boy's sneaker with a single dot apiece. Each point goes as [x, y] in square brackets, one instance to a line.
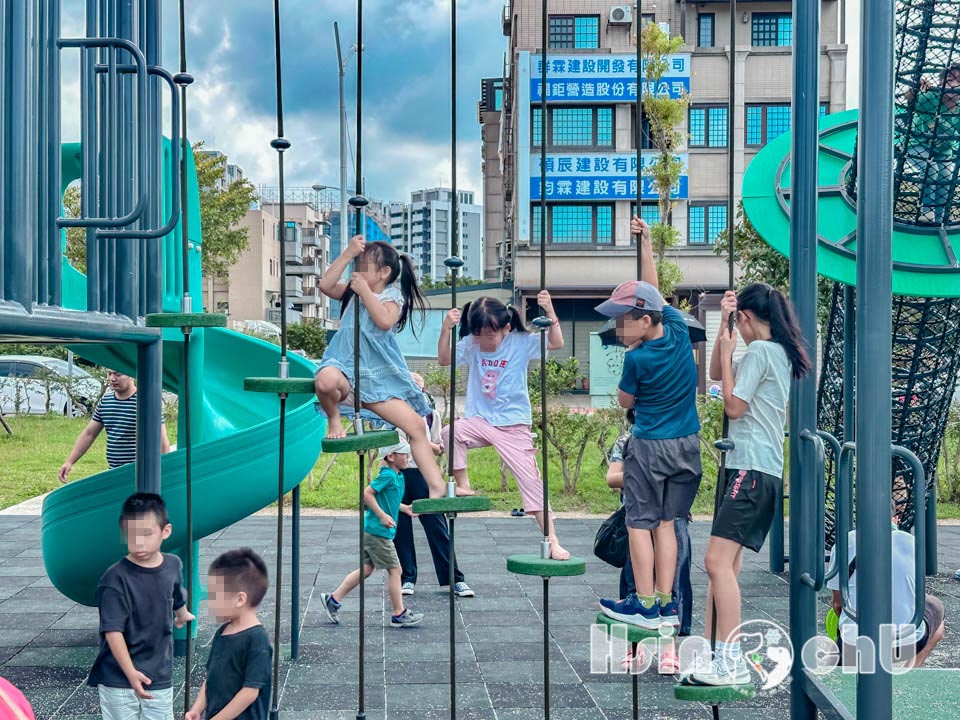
[670, 614]
[408, 588]
[331, 607]
[461, 589]
[631, 611]
[721, 673]
[406, 619]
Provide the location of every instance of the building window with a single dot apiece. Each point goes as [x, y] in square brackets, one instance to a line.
[706, 222]
[646, 19]
[767, 122]
[705, 30]
[569, 224]
[708, 126]
[574, 31]
[575, 127]
[772, 30]
[646, 141]
[649, 212]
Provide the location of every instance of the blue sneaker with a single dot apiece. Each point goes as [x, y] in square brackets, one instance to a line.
[670, 614]
[631, 611]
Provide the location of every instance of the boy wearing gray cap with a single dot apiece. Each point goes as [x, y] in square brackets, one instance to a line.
[661, 460]
[382, 498]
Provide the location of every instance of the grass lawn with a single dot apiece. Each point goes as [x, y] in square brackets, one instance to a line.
[40, 444]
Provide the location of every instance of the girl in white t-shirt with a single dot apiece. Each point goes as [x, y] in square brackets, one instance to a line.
[755, 392]
[497, 350]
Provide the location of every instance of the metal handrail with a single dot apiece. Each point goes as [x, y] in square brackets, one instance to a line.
[842, 523]
[141, 206]
[919, 529]
[175, 150]
[816, 581]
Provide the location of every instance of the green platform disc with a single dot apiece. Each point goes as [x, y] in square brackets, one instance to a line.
[536, 565]
[712, 695]
[370, 440]
[189, 320]
[635, 633]
[433, 506]
[924, 258]
[290, 386]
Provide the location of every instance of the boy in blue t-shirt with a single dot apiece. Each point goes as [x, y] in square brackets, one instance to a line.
[661, 460]
[383, 499]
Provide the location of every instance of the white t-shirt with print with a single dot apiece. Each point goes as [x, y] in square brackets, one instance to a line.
[762, 380]
[497, 381]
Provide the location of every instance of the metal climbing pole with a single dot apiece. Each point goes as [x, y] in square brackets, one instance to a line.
[803, 294]
[874, 273]
[280, 144]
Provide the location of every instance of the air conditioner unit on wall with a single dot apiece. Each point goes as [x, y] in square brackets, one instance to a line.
[621, 15]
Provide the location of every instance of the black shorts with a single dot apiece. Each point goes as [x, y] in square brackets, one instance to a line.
[748, 499]
[932, 618]
[660, 479]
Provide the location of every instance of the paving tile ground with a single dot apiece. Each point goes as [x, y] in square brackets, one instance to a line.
[47, 642]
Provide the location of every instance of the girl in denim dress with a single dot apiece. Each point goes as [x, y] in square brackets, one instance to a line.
[383, 281]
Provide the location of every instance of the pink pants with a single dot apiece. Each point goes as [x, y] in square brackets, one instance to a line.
[513, 443]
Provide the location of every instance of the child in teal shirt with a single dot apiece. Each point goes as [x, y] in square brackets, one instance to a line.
[935, 138]
[382, 497]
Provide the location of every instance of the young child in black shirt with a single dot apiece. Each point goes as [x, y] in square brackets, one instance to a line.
[140, 599]
[238, 668]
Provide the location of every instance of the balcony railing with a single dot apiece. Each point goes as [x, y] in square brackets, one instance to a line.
[294, 286]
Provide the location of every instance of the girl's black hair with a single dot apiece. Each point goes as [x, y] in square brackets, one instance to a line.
[770, 306]
[384, 255]
[488, 313]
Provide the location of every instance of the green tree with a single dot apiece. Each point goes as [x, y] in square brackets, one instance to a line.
[76, 237]
[759, 262]
[220, 213]
[309, 336]
[665, 115]
[427, 283]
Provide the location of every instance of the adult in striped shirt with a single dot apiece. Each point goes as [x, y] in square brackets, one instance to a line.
[117, 414]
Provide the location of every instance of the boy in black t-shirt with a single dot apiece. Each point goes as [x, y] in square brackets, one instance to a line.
[140, 598]
[238, 668]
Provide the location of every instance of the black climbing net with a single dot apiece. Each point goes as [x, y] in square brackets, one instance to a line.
[926, 361]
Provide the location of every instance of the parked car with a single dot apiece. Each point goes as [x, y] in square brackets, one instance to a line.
[34, 385]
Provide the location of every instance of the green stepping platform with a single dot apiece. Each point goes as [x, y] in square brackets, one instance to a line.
[434, 506]
[290, 386]
[190, 320]
[370, 440]
[635, 633]
[714, 695]
[536, 565]
[919, 694]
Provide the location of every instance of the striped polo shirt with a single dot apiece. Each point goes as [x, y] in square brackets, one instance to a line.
[119, 419]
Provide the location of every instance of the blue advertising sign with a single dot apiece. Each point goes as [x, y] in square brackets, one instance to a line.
[605, 78]
[598, 176]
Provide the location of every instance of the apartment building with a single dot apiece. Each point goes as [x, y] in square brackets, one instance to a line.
[591, 141]
[422, 229]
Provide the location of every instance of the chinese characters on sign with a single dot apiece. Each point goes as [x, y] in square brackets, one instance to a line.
[591, 176]
[607, 78]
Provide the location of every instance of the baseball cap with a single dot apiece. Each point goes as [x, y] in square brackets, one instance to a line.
[631, 295]
[401, 448]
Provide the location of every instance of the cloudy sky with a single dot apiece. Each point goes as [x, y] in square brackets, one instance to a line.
[406, 121]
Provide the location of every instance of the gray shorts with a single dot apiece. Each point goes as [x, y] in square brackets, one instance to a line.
[660, 479]
[379, 552]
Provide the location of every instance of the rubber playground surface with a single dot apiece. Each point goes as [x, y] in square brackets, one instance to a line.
[47, 642]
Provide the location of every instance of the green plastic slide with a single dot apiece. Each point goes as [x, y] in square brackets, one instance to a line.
[235, 448]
